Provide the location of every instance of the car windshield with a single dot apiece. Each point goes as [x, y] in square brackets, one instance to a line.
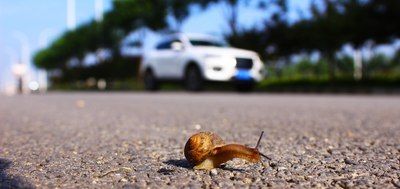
[196, 42]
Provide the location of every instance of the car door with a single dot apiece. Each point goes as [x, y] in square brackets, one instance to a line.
[160, 59]
[168, 60]
[176, 59]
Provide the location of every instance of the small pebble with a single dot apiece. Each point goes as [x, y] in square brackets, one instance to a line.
[350, 162]
[214, 172]
[80, 103]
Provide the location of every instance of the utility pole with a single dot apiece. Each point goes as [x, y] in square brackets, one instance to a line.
[71, 14]
[99, 9]
[42, 77]
[357, 64]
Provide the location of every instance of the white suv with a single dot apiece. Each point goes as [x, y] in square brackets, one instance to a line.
[197, 58]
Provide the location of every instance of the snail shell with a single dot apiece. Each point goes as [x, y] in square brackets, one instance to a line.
[206, 150]
[200, 145]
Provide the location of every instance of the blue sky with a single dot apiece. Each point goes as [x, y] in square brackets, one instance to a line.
[24, 21]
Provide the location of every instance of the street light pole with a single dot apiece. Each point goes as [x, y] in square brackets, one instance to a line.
[21, 68]
[20, 84]
[12, 59]
[19, 71]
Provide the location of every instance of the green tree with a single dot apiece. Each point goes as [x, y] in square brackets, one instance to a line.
[125, 16]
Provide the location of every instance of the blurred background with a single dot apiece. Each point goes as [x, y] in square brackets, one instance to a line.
[306, 45]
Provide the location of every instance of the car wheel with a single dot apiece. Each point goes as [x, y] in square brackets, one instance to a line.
[193, 79]
[244, 87]
[150, 81]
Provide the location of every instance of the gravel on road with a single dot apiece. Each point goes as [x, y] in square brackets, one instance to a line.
[136, 140]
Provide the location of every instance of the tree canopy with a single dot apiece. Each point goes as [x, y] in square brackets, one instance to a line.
[332, 24]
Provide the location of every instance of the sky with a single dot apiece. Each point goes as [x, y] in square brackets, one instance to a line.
[28, 25]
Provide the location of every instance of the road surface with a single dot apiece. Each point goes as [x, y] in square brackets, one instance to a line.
[130, 140]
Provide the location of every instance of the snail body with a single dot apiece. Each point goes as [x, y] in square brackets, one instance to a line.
[206, 150]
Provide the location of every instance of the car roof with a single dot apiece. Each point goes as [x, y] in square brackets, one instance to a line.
[195, 36]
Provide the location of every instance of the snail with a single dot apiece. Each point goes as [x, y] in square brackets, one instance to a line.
[206, 150]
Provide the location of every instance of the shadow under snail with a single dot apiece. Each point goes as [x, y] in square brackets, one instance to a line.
[206, 150]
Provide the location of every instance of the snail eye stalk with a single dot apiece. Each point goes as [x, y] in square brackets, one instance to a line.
[259, 140]
[258, 144]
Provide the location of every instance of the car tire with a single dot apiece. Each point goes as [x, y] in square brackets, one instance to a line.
[150, 81]
[244, 86]
[193, 79]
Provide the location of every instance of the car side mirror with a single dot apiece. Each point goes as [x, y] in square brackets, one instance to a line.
[177, 46]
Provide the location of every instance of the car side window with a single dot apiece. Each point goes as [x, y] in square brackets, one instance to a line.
[166, 44]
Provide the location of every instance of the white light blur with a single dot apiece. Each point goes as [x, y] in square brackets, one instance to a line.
[102, 84]
[33, 85]
[19, 69]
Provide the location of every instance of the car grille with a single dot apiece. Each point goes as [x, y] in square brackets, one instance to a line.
[244, 63]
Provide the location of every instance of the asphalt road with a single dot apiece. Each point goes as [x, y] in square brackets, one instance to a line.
[130, 140]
